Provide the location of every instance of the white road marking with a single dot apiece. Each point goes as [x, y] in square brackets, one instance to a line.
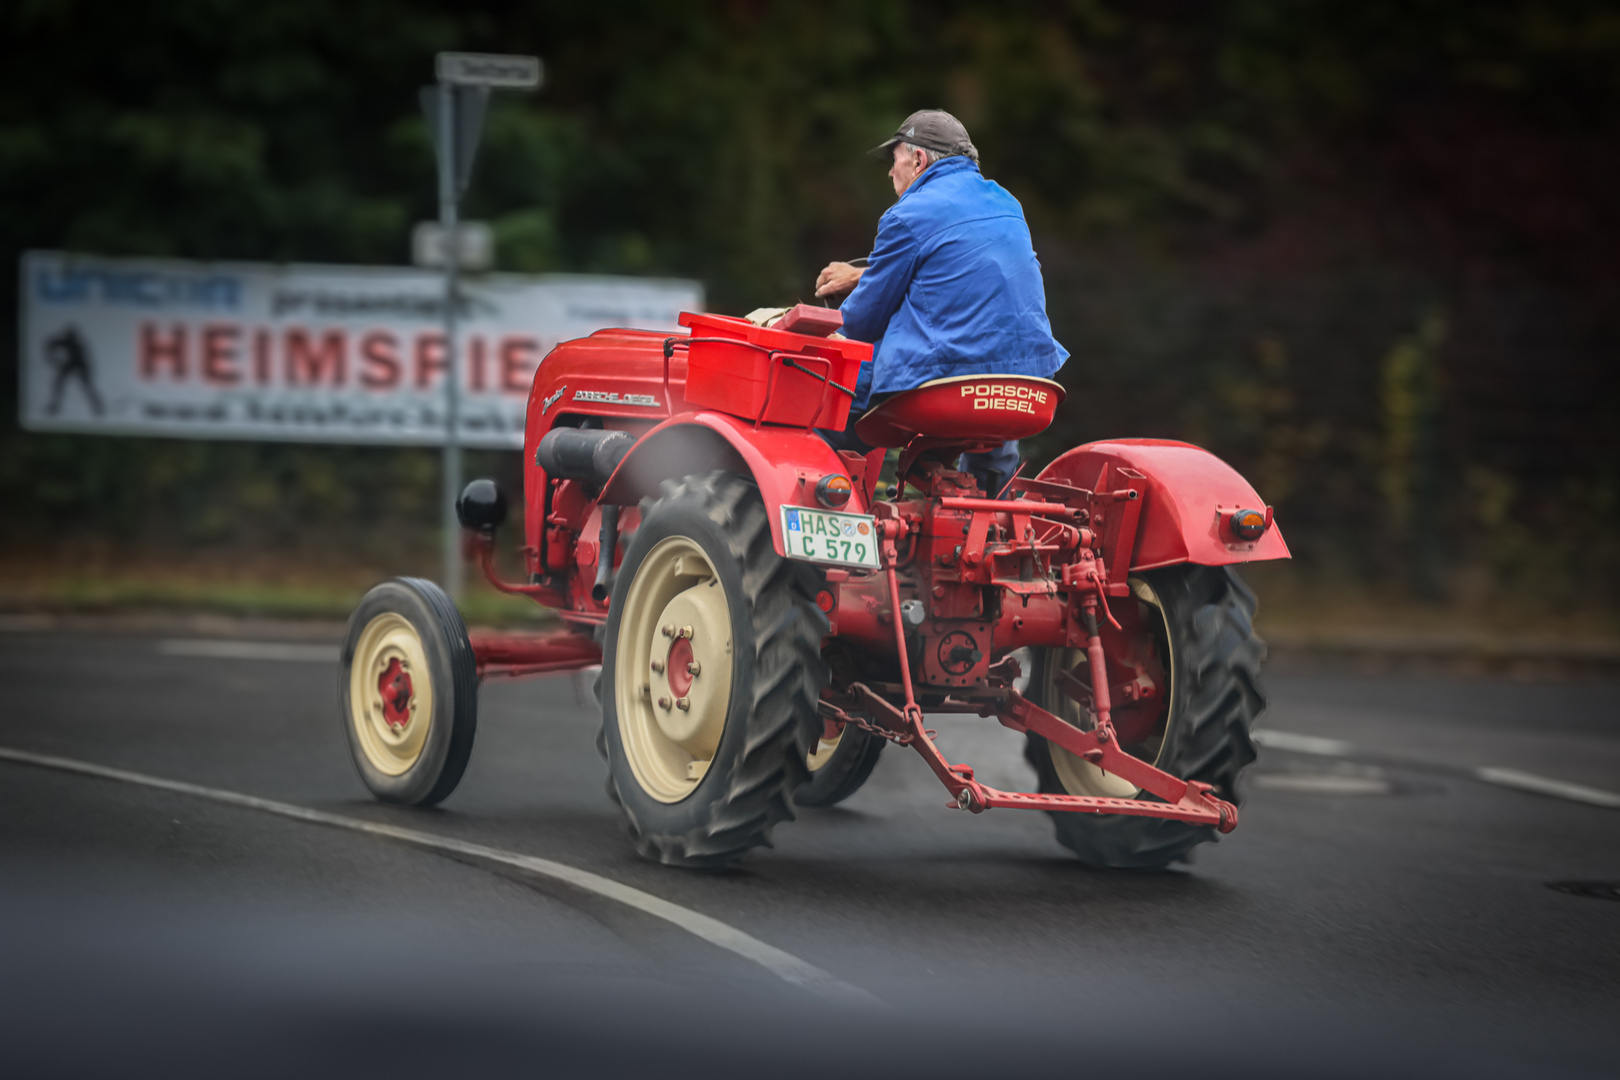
[1509, 778]
[1323, 783]
[1303, 744]
[783, 965]
[217, 649]
[1541, 785]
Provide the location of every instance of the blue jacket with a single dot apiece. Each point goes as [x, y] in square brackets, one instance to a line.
[952, 288]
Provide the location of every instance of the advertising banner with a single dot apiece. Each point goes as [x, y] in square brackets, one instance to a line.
[305, 353]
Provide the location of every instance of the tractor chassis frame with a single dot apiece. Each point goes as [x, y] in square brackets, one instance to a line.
[1190, 801]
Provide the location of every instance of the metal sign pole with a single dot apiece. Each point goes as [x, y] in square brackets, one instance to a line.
[451, 467]
[465, 81]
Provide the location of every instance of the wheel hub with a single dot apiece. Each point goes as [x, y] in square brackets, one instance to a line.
[681, 665]
[672, 682]
[394, 687]
[390, 693]
[691, 707]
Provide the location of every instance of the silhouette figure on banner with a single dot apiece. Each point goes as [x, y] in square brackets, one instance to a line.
[67, 353]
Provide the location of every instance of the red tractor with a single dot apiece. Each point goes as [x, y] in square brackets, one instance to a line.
[768, 613]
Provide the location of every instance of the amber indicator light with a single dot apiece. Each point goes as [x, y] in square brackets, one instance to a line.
[833, 490]
[1249, 524]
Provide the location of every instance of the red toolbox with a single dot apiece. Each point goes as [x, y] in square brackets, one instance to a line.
[773, 376]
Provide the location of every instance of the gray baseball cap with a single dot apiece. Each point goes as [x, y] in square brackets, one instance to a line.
[931, 129]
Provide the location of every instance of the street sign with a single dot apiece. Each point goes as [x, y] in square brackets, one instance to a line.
[455, 112]
[467, 108]
[475, 245]
[490, 70]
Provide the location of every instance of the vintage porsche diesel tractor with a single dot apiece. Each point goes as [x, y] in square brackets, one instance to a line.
[768, 613]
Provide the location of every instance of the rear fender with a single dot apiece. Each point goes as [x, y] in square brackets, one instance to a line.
[786, 463]
[1188, 496]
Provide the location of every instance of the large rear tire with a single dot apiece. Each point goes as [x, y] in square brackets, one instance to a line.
[839, 766]
[1202, 617]
[409, 692]
[711, 673]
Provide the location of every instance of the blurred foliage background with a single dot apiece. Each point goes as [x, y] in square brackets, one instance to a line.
[1368, 252]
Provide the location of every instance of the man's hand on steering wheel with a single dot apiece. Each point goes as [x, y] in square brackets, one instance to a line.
[838, 278]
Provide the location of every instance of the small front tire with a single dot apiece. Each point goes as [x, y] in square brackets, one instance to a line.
[409, 692]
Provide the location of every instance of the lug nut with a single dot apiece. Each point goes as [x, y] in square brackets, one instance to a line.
[685, 632]
[658, 667]
[669, 631]
[694, 668]
[683, 703]
[663, 702]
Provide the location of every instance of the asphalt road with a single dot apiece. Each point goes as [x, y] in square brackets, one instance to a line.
[1382, 914]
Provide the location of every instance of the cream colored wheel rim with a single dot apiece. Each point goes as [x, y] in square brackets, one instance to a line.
[672, 673]
[824, 751]
[392, 733]
[1077, 775]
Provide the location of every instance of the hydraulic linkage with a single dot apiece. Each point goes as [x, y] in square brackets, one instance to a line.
[1182, 800]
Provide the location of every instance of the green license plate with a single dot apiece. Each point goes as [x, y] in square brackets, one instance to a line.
[824, 536]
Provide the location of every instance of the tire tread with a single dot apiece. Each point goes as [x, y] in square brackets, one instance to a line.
[1211, 740]
[788, 678]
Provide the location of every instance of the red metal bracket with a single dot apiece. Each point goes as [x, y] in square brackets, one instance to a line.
[482, 547]
[514, 655]
[1184, 800]
[878, 709]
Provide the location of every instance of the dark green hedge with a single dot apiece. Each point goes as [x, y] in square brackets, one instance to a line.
[1366, 251]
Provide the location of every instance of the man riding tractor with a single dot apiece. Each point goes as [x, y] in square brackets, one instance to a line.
[952, 286]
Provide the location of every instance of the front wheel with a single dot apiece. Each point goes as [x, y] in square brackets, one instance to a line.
[409, 690]
[1190, 630]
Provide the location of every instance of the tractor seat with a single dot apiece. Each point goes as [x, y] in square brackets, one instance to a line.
[964, 408]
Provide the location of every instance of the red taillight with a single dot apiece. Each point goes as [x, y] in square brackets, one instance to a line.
[833, 490]
[824, 600]
[1250, 524]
